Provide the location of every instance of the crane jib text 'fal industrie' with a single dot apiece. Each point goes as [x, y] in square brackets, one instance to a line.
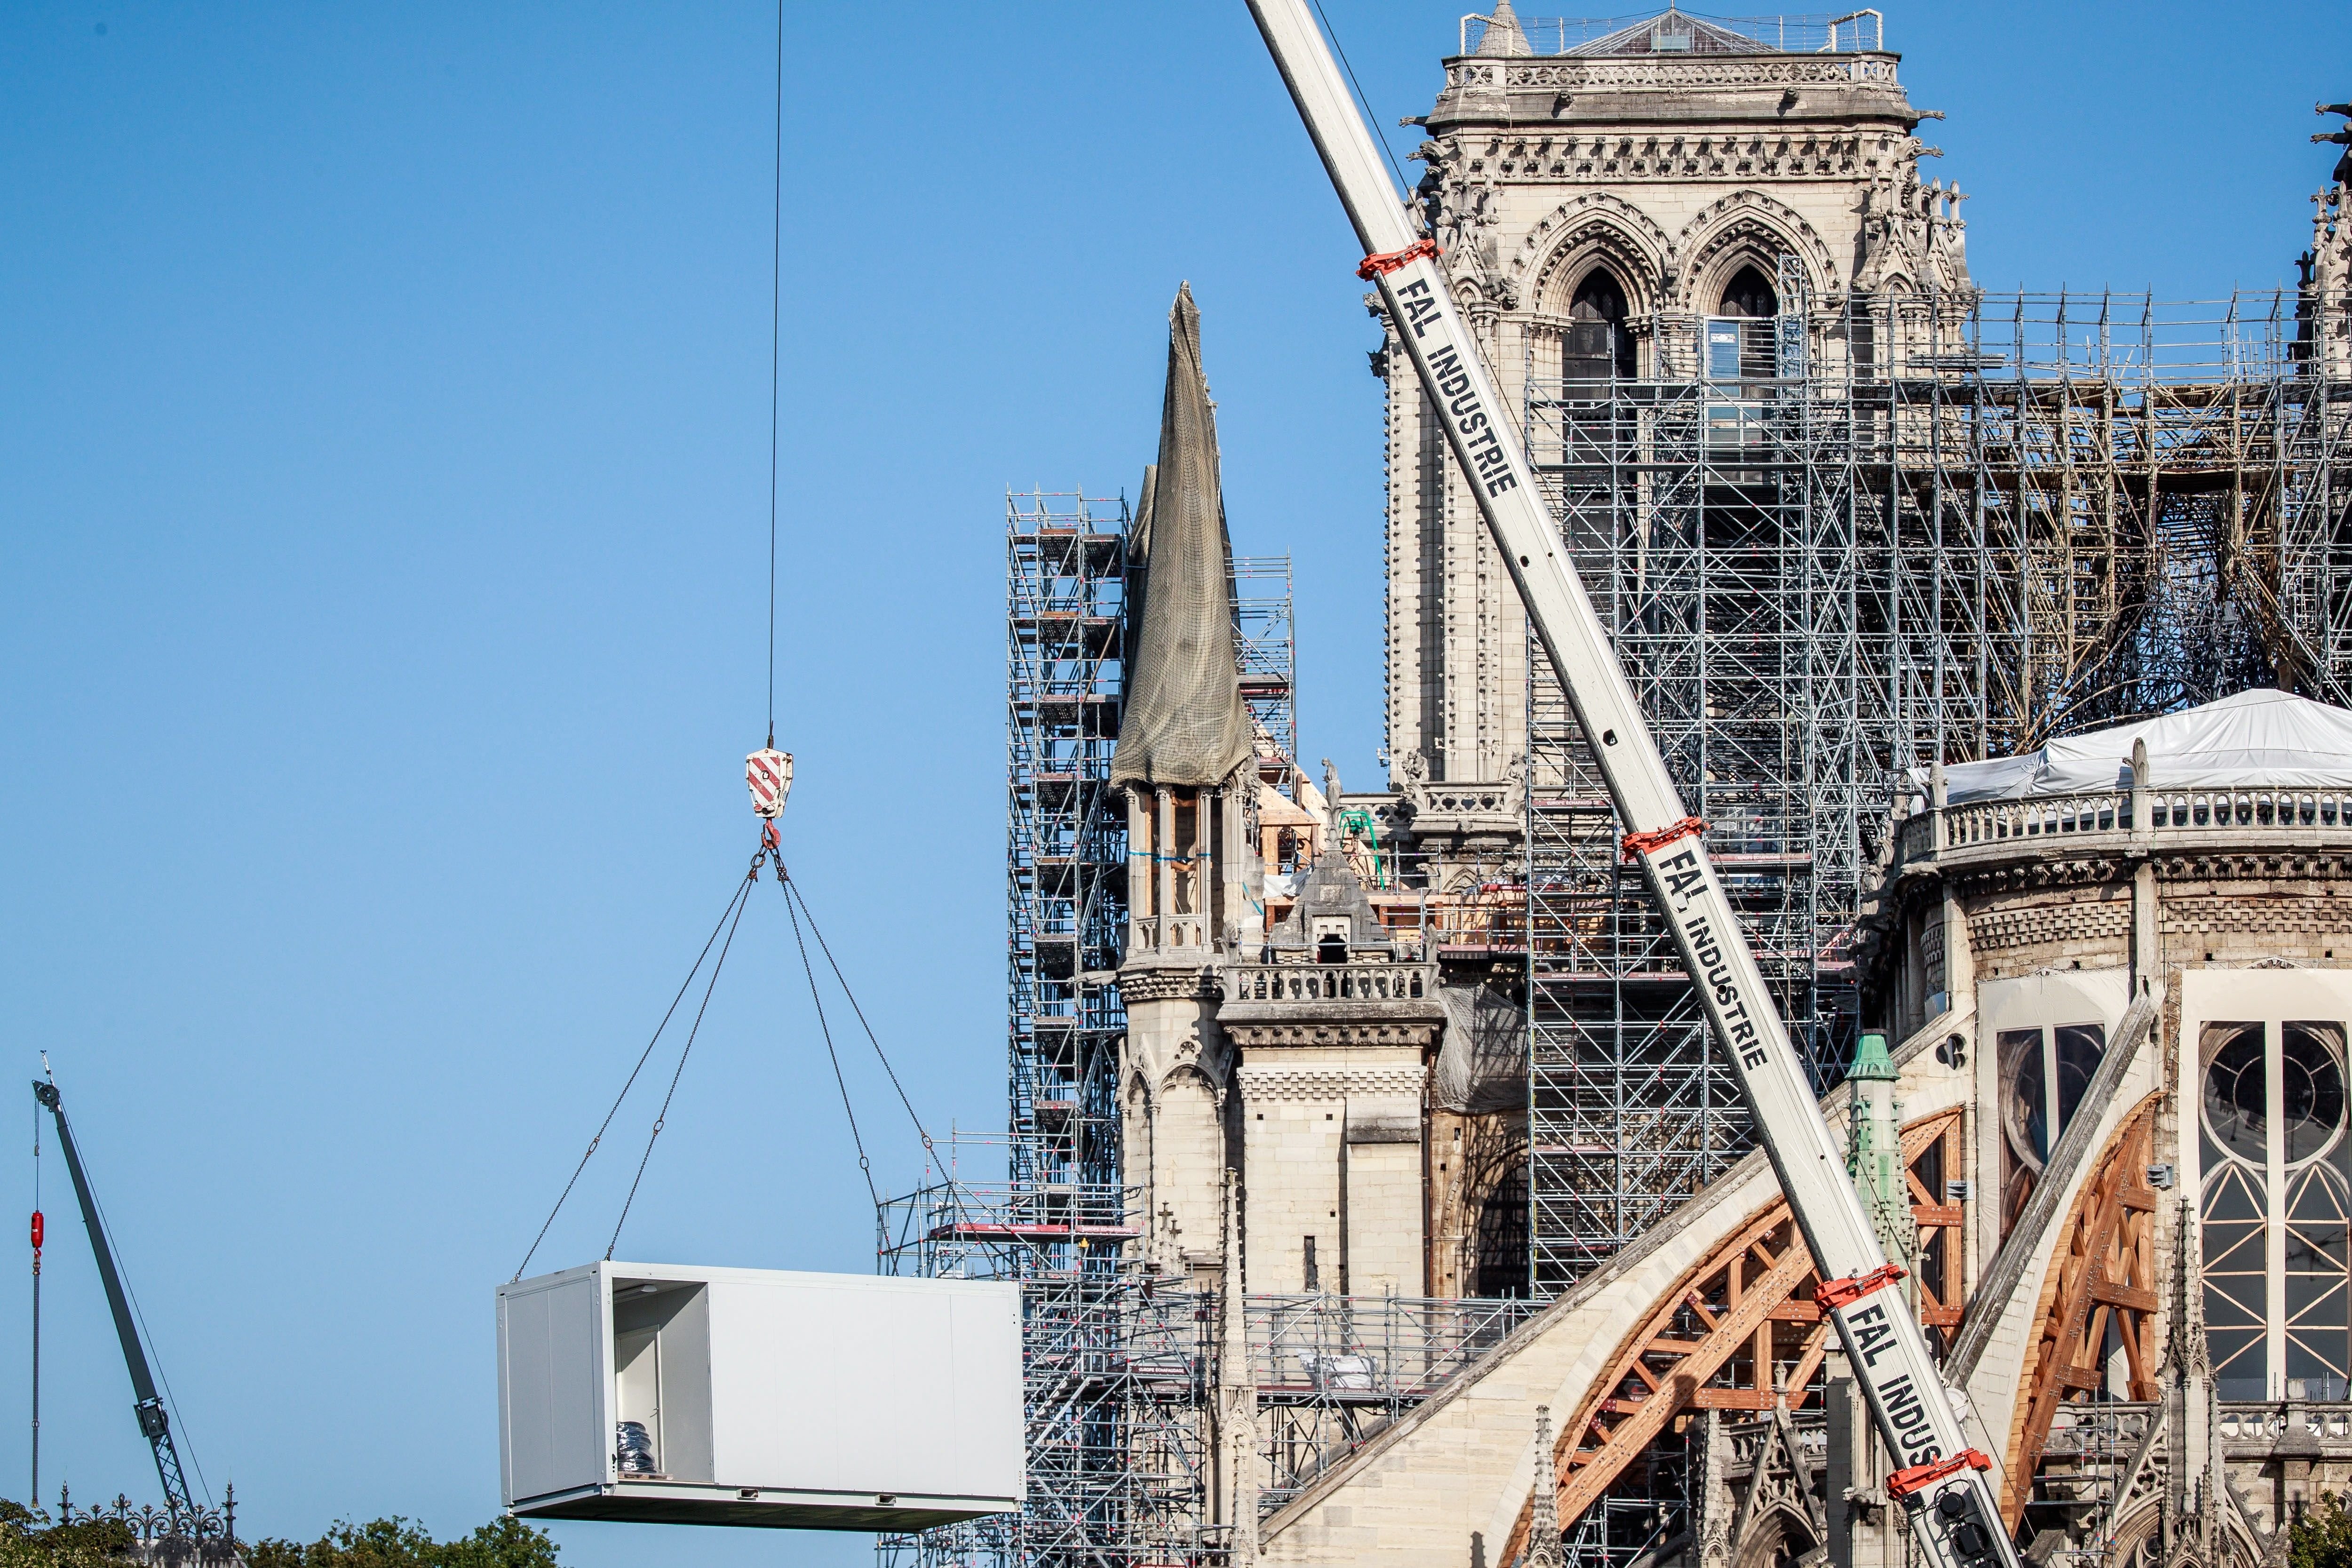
[154, 1422]
[1942, 1480]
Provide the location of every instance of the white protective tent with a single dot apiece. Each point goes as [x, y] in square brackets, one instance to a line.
[2255, 740]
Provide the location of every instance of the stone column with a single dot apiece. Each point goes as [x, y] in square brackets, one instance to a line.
[1164, 868]
[1142, 908]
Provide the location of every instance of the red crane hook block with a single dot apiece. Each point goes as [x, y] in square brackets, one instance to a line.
[39, 1230]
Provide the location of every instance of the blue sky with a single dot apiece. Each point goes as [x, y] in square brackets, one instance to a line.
[382, 511]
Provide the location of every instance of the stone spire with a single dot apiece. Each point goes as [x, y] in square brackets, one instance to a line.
[1185, 723]
[1544, 1549]
[1502, 35]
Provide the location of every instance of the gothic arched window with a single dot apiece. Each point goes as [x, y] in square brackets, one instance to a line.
[1598, 345]
[1751, 294]
[2276, 1208]
[1741, 335]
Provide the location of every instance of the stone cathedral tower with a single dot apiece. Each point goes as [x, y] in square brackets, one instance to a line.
[1669, 167]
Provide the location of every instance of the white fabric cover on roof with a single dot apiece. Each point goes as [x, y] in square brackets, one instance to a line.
[2255, 740]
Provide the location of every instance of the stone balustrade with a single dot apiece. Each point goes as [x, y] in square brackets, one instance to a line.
[1366, 981]
[2171, 814]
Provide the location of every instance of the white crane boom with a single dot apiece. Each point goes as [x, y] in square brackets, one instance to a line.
[1941, 1479]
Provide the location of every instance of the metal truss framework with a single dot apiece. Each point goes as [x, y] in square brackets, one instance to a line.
[2100, 1306]
[1117, 1374]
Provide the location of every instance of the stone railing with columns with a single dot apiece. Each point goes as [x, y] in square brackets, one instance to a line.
[2161, 818]
[1323, 982]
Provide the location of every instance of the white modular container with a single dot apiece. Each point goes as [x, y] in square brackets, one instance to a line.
[807, 1401]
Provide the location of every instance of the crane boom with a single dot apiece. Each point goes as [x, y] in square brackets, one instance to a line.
[1943, 1481]
[154, 1421]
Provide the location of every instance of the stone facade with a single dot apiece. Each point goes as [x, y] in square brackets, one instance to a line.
[2145, 921]
[1594, 193]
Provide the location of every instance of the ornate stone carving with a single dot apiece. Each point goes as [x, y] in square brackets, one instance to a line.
[1272, 1083]
[1749, 222]
[1173, 983]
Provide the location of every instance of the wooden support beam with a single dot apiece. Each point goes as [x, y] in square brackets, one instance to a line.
[2102, 1272]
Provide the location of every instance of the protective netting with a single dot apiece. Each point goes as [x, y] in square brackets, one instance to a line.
[1185, 723]
[1482, 1066]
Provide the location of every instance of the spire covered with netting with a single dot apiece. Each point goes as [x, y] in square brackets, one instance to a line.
[1185, 723]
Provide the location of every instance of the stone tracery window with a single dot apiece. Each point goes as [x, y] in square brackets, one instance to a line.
[2276, 1208]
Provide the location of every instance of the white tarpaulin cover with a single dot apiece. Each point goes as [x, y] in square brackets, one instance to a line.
[2255, 740]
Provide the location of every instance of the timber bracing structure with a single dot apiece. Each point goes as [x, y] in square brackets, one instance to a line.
[1833, 547]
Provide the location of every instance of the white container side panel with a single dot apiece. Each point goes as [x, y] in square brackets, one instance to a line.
[846, 1382]
[551, 1345]
[990, 1432]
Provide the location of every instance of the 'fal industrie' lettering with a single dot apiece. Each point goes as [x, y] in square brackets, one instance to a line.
[1473, 427]
[1869, 1335]
[1716, 976]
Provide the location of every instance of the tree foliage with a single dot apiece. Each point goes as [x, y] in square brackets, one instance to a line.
[28, 1540]
[2322, 1537]
[396, 1542]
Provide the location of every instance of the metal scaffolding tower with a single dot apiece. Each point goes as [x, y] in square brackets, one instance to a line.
[1065, 902]
[1268, 653]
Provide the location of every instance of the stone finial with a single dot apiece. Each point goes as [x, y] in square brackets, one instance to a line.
[2139, 766]
[1544, 1549]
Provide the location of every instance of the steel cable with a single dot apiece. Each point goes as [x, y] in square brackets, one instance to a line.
[864, 1166]
[793, 893]
[742, 890]
[743, 901]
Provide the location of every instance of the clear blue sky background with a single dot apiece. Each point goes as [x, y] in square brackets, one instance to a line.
[383, 493]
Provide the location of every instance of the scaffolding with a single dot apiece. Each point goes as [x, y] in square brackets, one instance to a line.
[1116, 1370]
[1065, 628]
[1266, 647]
[1836, 546]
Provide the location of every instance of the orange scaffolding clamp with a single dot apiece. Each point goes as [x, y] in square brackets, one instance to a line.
[1835, 1295]
[1903, 1483]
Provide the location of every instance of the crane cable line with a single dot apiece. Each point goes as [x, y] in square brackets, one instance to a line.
[864, 1165]
[796, 908]
[741, 890]
[795, 903]
[742, 903]
[775, 365]
[792, 892]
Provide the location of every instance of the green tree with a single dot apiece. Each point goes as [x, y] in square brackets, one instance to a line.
[28, 1540]
[397, 1542]
[2322, 1537]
